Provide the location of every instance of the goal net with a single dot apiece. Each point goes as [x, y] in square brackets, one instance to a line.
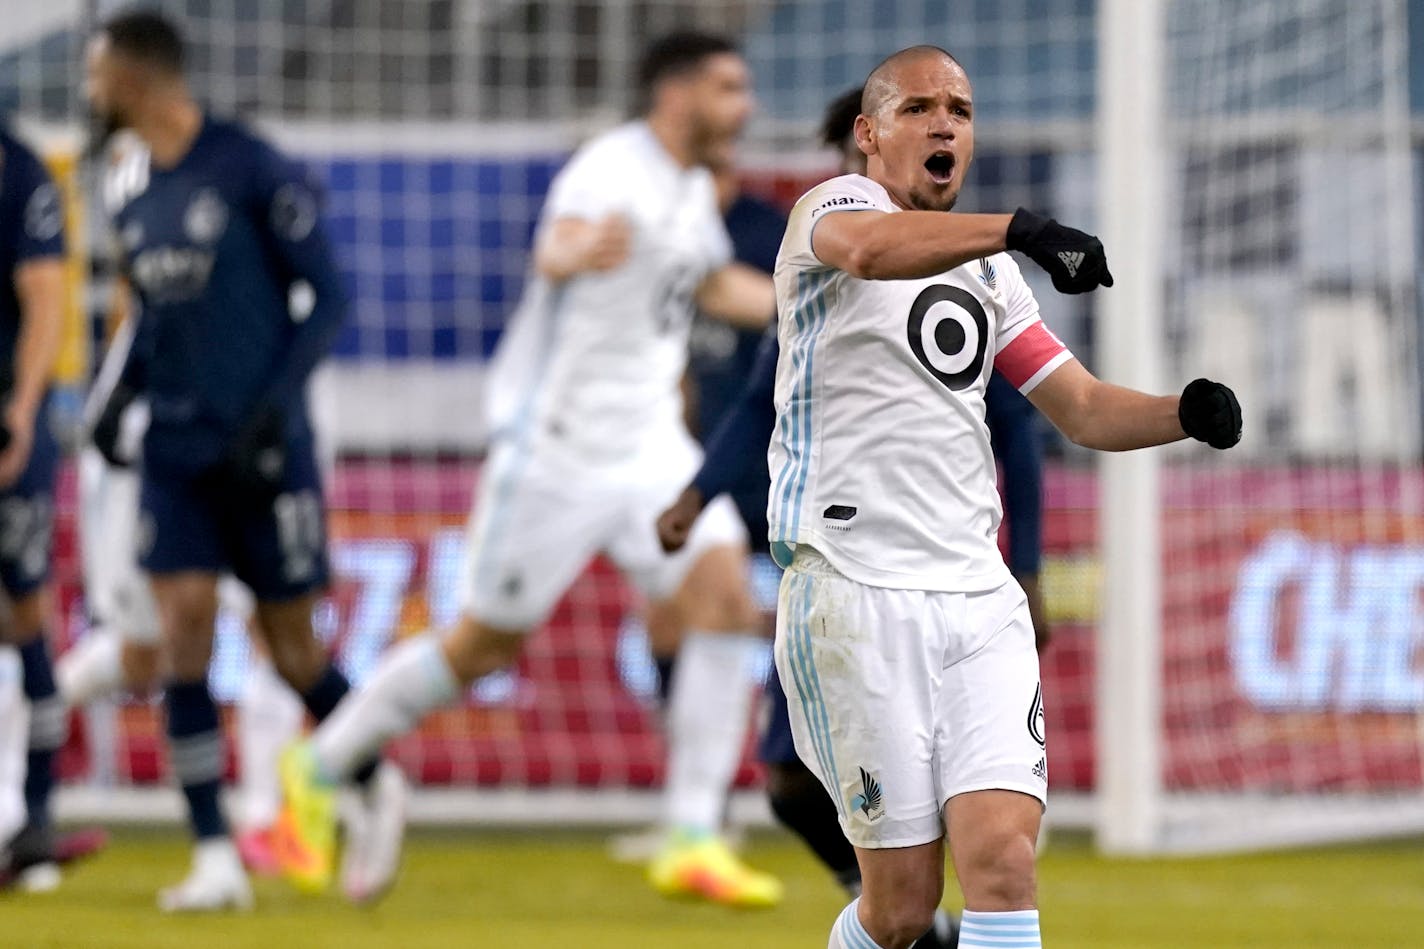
[1290, 687]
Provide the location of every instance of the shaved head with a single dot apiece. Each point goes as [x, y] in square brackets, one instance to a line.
[916, 127]
[883, 83]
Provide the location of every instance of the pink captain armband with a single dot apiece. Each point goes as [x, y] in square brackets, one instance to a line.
[1031, 356]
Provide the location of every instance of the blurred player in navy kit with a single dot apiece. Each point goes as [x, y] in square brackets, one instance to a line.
[31, 321]
[239, 298]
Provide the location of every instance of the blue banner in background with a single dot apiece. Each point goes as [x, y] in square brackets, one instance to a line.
[434, 248]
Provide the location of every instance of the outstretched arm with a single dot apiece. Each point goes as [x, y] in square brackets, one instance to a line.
[570, 246]
[739, 295]
[1099, 415]
[912, 245]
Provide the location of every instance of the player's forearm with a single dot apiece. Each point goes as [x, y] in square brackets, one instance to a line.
[739, 295]
[1112, 418]
[916, 244]
[557, 263]
[41, 291]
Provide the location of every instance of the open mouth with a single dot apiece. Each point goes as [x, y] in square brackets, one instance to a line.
[940, 165]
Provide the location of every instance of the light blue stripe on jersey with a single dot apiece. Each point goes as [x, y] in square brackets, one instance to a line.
[522, 430]
[788, 420]
[818, 308]
[816, 708]
[809, 315]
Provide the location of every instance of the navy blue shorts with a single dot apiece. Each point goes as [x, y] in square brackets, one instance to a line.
[277, 547]
[27, 516]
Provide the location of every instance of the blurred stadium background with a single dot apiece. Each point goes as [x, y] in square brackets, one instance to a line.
[1239, 665]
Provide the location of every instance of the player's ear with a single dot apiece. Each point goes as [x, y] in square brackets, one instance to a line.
[865, 137]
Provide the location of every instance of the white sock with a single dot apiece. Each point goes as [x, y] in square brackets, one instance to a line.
[269, 716]
[411, 680]
[14, 745]
[711, 702]
[216, 854]
[92, 669]
[848, 933]
[1012, 930]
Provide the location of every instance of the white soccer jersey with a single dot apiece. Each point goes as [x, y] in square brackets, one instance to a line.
[593, 365]
[881, 456]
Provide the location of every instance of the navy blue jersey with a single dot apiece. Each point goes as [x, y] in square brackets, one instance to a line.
[239, 297]
[722, 358]
[736, 450]
[31, 227]
[1012, 434]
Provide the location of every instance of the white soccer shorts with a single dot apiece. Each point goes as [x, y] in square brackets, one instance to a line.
[903, 699]
[539, 520]
[118, 591]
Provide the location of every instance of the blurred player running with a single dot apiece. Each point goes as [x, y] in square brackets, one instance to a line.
[589, 446]
[904, 643]
[31, 320]
[239, 299]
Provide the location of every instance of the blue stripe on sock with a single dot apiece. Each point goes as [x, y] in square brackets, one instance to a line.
[1011, 930]
[852, 931]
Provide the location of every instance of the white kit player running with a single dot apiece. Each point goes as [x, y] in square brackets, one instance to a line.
[906, 646]
[589, 446]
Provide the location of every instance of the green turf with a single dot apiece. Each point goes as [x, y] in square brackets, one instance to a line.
[497, 890]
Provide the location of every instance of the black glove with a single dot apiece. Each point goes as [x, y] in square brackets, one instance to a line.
[1210, 413]
[255, 465]
[108, 427]
[1076, 261]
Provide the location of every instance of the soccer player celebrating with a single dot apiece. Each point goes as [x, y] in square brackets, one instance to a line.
[589, 446]
[239, 299]
[735, 456]
[903, 641]
[31, 319]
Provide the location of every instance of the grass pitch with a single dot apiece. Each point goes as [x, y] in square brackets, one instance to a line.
[517, 890]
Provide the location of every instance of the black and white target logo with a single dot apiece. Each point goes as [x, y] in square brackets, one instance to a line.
[949, 334]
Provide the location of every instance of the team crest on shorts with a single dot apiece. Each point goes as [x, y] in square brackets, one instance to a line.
[1035, 717]
[870, 801]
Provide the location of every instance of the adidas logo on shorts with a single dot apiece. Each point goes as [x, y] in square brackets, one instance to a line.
[1040, 770]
